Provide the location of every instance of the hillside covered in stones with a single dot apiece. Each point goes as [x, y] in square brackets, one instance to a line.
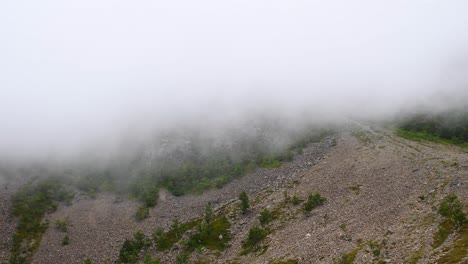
[360, 195]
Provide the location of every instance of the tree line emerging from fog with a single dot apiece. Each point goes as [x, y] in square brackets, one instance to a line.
[445, 127]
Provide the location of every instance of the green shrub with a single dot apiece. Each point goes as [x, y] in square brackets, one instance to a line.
[142, 213]
[271, 164]
[214, 235]
[255, 236]
[132, 247]
[313, 201]
[295, 200]
[30, 203]
[162, 241]
[149, 260]
[183, 258]
[165, 240]
[348, 258]
[208, 213]
[265, 217]
[244, 202]
[451, 209]
[65, 240]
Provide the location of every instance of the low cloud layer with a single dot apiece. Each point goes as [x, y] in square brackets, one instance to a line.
[74, 73]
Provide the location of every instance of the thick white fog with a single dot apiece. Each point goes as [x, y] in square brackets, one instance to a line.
[74, 73]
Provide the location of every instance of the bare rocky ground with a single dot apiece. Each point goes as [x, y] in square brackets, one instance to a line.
[373, 182]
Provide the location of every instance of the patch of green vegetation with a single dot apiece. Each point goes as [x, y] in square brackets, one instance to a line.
[201, 169]
[458, 250]
[142, 213]
[289, 261]
[148, 195]
[148, 259]
[65, 240]
[449, 127]
[30, 203]
[244, 202]
[183, 258]
[61, 225]
[416, 256]
[421, 135]
[131, 248]
[446, 228]
[88, 261]
[266, 216]
[313, 201]
[451, 209]
[356, 189]
[214, 235]
[343, 227]
[253, 241]
[271, 164]
[375, 247]
[166, 240]
[348, 258]
[295, 200]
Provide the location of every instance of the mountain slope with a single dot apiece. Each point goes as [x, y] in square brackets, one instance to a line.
[382, 193]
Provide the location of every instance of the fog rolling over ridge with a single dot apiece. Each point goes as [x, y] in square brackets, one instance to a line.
[91, 73]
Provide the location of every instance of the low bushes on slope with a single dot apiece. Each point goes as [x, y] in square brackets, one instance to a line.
[451, 209]
[30, 204]
[446, 127]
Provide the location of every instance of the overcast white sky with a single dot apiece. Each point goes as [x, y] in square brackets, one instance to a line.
[72, 70]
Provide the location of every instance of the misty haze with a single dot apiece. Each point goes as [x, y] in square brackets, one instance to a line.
[276, 132]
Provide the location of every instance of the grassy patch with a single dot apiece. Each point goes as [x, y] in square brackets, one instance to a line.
[295, 200]
[245, 204]
[253, 241]
[212, 235]
[375, 247]
[313, 201]
[142, 213]
[446, 227]
[131, 248]
[182, 258]
[30, 204]
[148, 259]
[416, 256]
[451, 210]
[289, 261]
[459, 248]
[450, 127]
[266, 216]
[65, 240]
[356, 189]
[61, 225]
[166, 240]
[348, 258]
[422, 135]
